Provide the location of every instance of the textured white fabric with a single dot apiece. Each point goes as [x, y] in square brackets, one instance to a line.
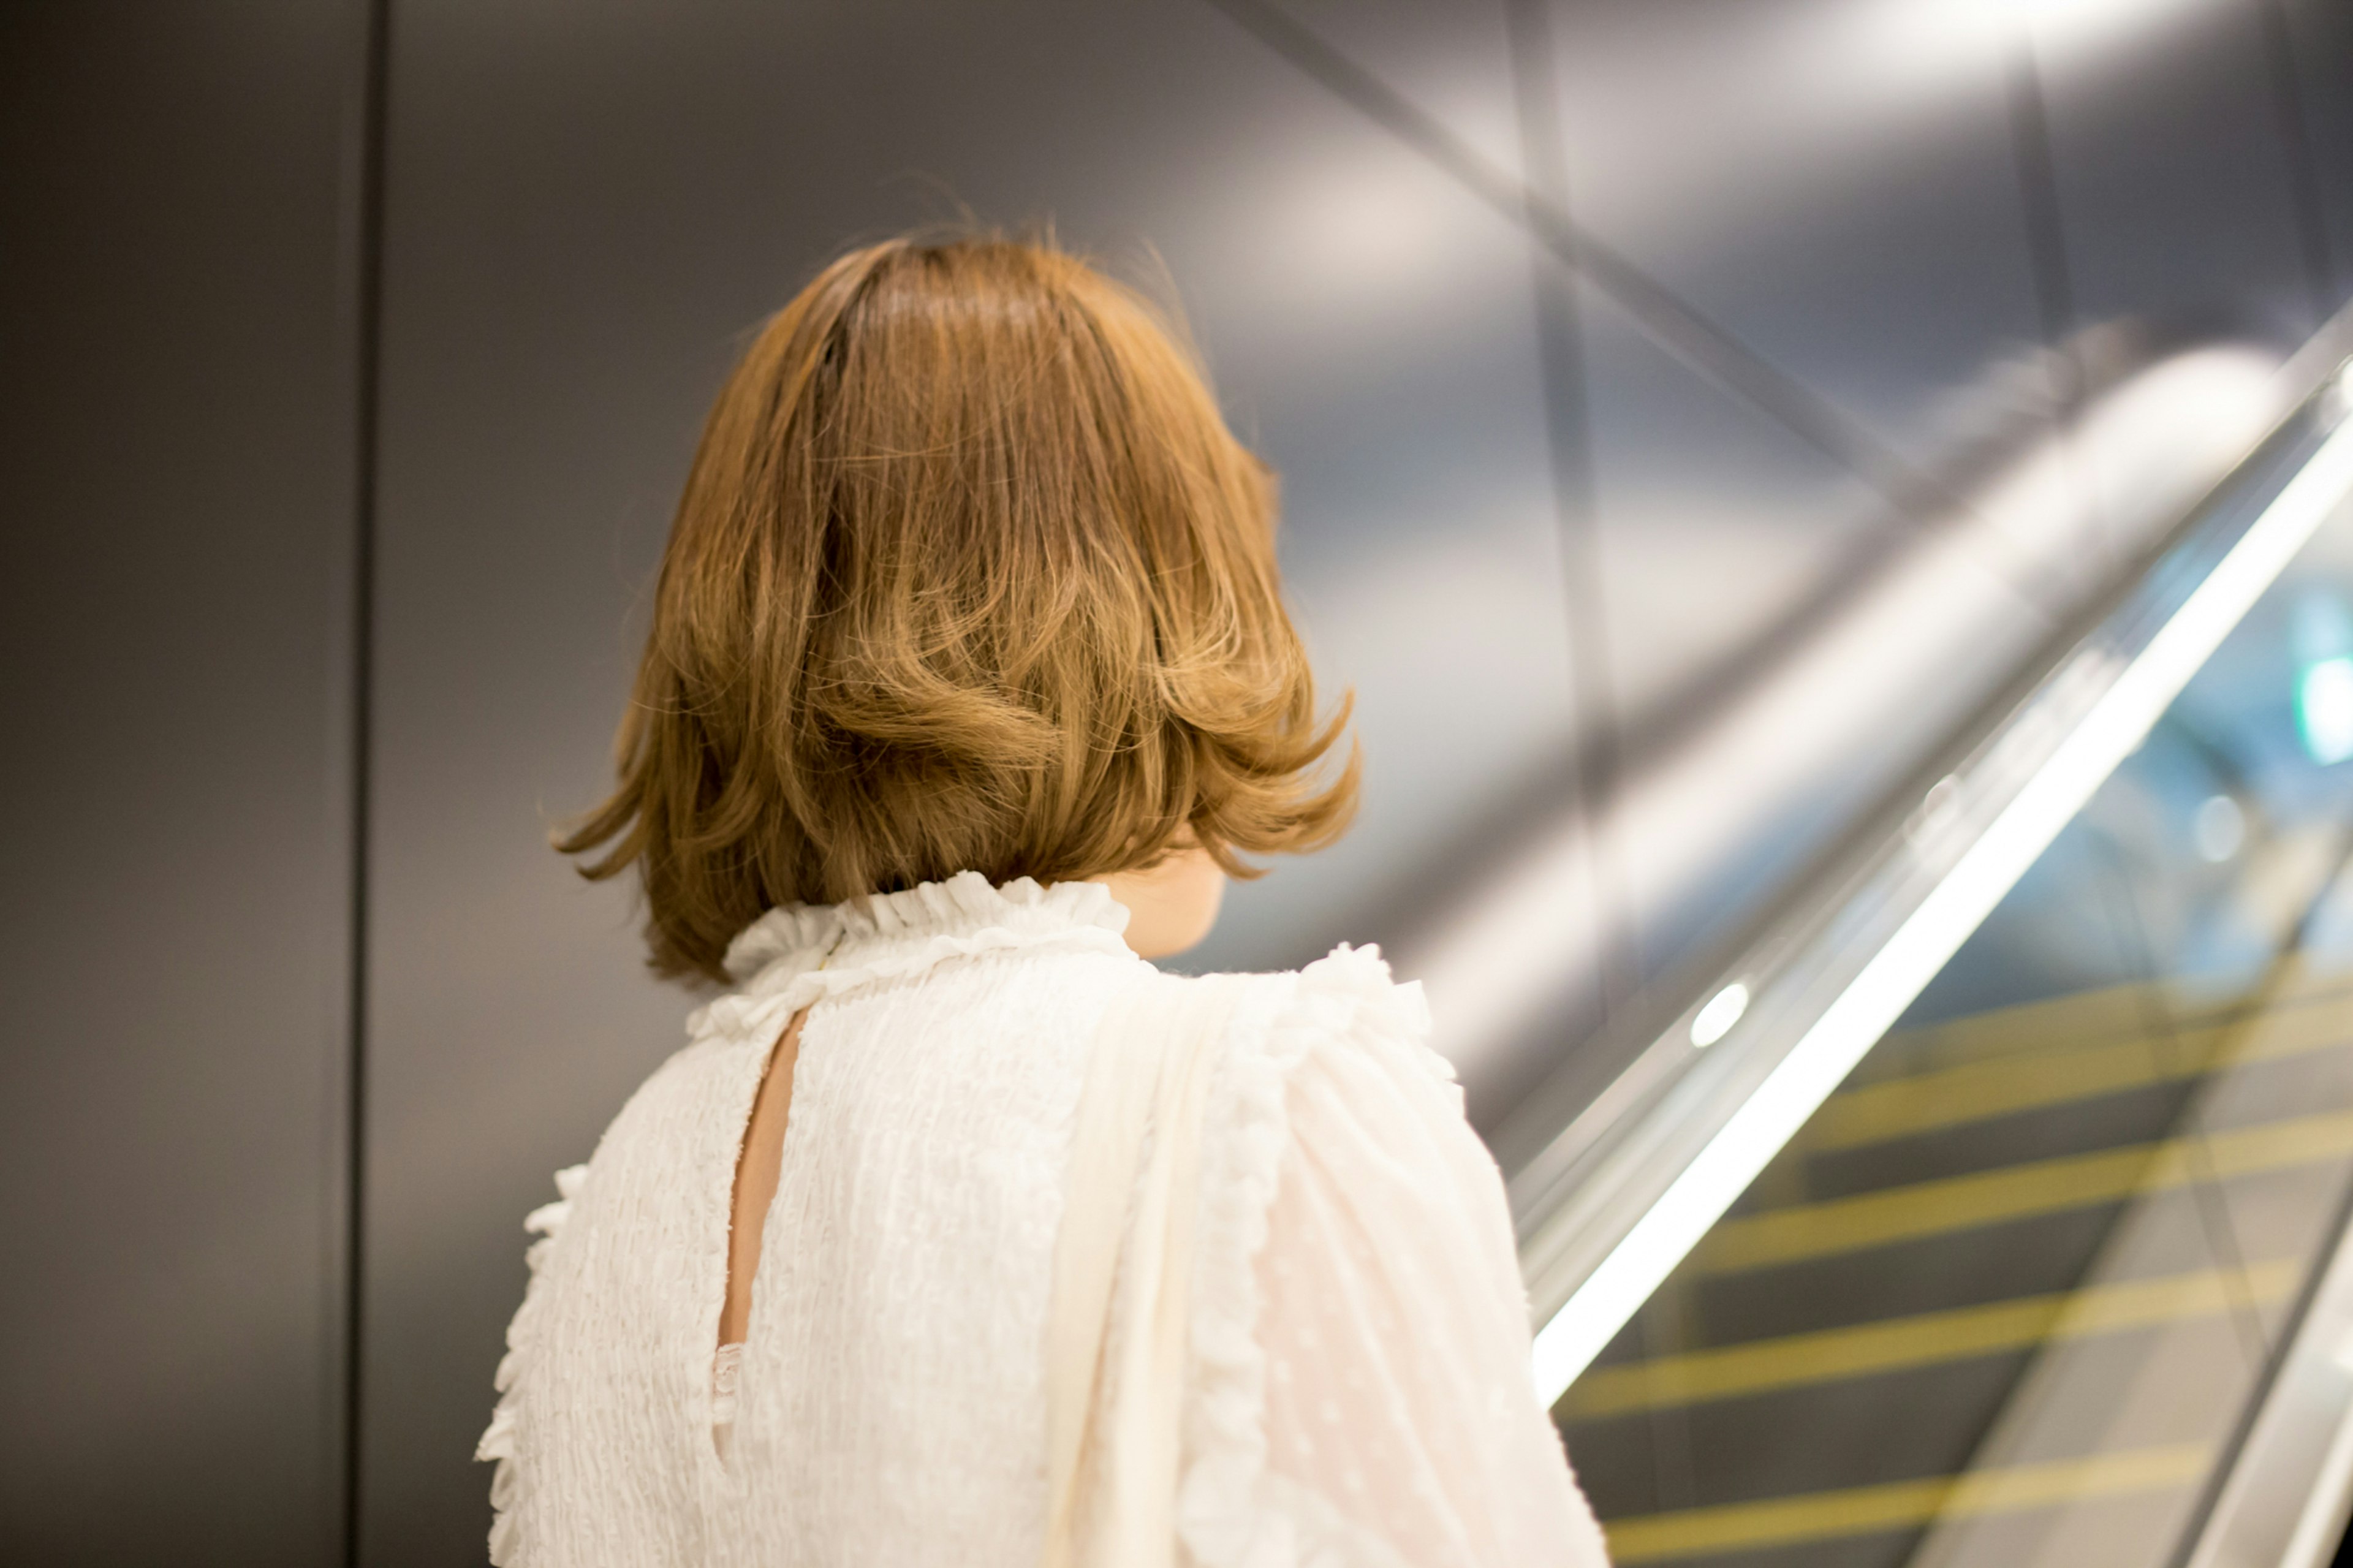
[724, 1367]
[1401, 1424]
[1357, 1391]
[1118, 1336]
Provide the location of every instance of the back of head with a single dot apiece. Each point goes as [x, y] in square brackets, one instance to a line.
[969, 574]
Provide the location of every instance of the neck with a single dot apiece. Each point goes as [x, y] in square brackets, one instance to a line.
[1172, 904]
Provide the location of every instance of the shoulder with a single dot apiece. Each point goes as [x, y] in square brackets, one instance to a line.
[1335, 1120]
[1360, 1077]
[1345, 1013]
[676, 1095]
[1328, 1051]
[1350, 1002]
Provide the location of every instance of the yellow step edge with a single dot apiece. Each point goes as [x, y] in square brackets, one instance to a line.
[1903, 1107]
[1901, 1505]
[2016, 1191]
[2101, 1016]
[1923, 1339]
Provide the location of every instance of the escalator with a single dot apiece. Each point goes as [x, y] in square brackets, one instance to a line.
[1990, 1208]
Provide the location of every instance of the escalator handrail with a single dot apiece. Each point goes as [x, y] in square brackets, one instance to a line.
[1629, 1186]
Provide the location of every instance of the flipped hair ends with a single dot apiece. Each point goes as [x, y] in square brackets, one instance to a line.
[968, 575]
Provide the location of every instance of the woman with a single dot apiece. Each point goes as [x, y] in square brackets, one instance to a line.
[957, 1234]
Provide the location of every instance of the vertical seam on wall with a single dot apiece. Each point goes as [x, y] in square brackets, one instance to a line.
[367, 360]
[2303, 169]
[1559, 254]
[2038, 180]
[1568, 437]
[2035, 165]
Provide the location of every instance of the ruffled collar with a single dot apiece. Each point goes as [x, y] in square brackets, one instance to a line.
[791, 956]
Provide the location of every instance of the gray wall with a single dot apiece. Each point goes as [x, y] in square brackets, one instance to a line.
[1547, 536]
[178, 228]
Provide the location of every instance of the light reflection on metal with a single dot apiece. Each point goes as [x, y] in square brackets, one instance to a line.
[1938, 808]
[1716, 1020]
[1929, 30]
[2219, 829]
[2108, 730]
[1512, 945]
[2323, 709]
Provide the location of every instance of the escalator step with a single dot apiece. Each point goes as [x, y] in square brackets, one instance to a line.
[1825, 1516]
[2017, 1192]
[1924, 1339]
[2059, 1073]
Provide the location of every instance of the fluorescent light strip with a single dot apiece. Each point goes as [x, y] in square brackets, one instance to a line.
[1932, 933]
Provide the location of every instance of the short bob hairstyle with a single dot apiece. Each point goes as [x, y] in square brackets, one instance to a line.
[968, 575]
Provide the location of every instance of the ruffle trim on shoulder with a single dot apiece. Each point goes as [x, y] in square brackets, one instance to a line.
[1352, 994]
[499, 1441]
[793, 956]
[1225, 1513]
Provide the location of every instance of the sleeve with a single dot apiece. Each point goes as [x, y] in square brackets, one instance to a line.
[500, 1442]
[1401, 1426]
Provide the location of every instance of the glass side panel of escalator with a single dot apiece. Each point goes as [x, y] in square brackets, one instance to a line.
[2003, 1301]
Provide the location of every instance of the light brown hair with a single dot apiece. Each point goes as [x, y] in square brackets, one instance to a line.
[968, 575]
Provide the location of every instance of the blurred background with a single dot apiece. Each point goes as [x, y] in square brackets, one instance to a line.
[1688, 413]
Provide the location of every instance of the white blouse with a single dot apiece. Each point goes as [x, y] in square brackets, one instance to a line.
[1357, 1388]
